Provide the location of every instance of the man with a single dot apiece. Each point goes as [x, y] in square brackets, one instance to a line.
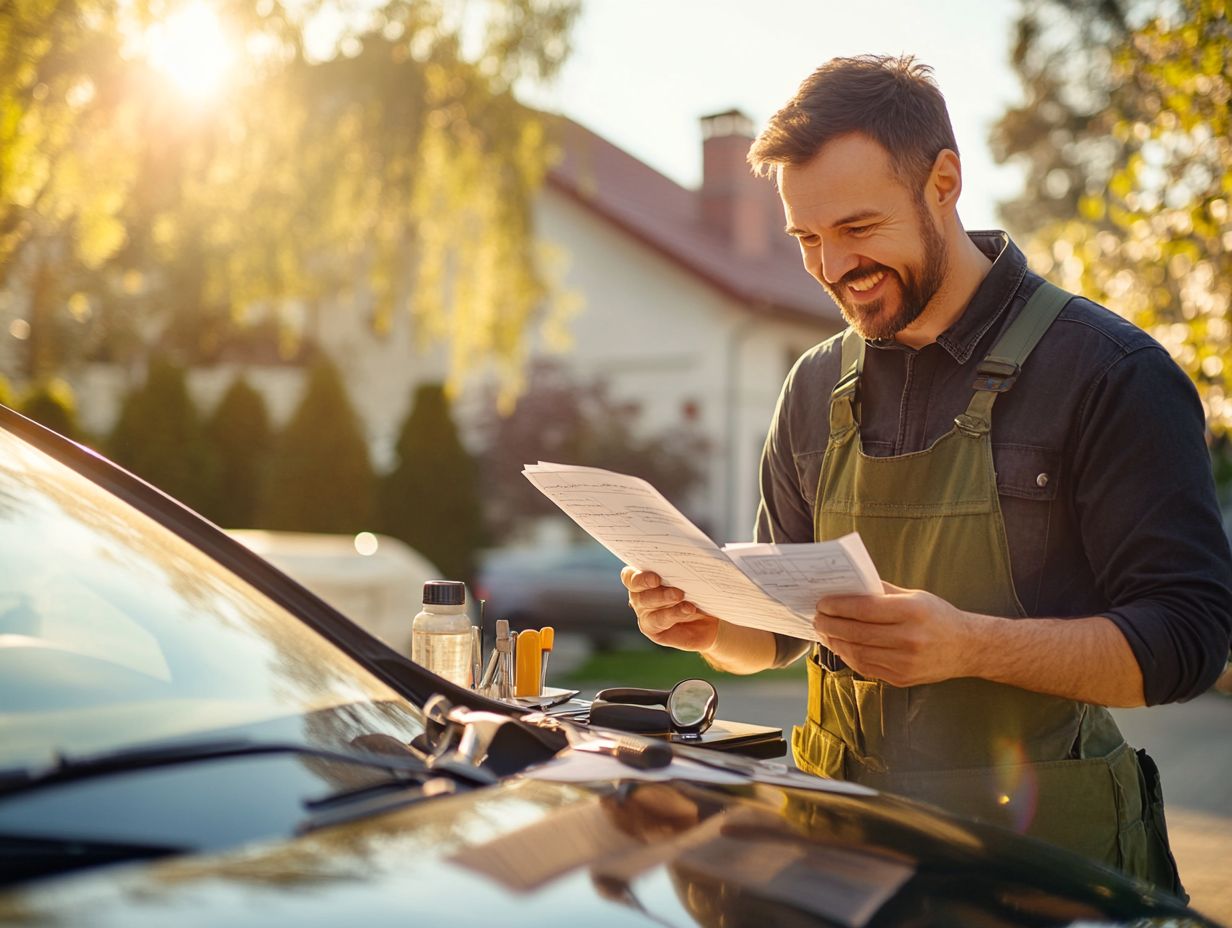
[1027, 469]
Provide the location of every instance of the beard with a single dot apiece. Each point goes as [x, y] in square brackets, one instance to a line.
[916, 287]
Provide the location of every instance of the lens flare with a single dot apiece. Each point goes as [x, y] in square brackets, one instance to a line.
[192, 49]
[1018, 789]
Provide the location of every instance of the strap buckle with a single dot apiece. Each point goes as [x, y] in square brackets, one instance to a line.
[846, 384]
[995, 376]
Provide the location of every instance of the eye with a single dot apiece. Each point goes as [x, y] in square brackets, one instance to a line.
[810, 241]
[858, 230]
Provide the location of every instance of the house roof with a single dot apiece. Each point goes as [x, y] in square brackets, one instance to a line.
[668, 217]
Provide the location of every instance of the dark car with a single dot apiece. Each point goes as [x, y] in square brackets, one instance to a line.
[574, 588]
[187, 737]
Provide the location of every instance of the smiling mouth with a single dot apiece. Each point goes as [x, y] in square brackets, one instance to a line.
[864, 284]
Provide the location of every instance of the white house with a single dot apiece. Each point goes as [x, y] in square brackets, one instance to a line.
[695, 304]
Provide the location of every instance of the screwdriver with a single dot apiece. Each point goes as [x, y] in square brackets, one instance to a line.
[547, 638]
[527, 659]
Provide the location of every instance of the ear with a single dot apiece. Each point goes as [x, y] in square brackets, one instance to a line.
[944, 181]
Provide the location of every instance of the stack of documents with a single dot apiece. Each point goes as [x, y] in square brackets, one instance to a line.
[767, 586]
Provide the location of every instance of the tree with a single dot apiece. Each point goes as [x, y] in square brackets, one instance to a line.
[65, 126]
[375, 142]
[320, 479]
[1060, 134]
[431, 498]
[1151, 231]
[52, 403]
[239, 434]
[159, 436]
[570, 422]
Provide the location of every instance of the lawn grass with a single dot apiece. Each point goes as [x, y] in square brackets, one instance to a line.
[658, 668]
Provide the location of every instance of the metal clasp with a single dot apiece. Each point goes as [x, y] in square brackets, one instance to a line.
[995, 376]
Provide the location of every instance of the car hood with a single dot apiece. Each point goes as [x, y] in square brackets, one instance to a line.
[586, 841]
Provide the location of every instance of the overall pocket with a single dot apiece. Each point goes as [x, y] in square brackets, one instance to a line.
[1071, 803]
[844, 721]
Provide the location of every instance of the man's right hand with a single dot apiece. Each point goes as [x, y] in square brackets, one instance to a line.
[665, 616]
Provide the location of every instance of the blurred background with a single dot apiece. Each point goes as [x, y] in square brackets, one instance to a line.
[332, 272]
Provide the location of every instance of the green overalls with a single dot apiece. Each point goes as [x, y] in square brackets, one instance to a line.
[1041, 765]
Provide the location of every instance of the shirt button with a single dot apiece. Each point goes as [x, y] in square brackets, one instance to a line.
[1041, 480]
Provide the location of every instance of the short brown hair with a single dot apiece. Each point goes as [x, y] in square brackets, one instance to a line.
[894, 101]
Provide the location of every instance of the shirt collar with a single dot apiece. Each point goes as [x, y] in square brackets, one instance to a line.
[990, 301]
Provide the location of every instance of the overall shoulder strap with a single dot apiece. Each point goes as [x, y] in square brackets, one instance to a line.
[1002, 365]
[843, 397]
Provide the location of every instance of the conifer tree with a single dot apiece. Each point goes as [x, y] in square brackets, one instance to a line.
[240, 435]
[159, 436]
[320, 478]
[53, 404]
[431, 498]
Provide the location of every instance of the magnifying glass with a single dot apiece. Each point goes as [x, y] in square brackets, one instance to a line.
[687, 709]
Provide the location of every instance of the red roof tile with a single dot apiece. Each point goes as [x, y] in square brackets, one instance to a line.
[666, 216]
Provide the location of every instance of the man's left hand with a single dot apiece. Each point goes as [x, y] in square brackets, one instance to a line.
[903, 637]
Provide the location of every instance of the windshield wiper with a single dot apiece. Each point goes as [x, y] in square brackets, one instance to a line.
[26, 857]
[376, 799]
[143, 757]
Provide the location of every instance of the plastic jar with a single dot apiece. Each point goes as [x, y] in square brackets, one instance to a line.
[441, 633]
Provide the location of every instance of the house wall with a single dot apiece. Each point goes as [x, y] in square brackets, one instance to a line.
[664, 338]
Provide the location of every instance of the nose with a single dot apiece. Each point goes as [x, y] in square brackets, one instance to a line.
[834, 261]
[827, 262]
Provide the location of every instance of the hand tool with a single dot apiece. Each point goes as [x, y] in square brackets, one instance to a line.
[547, 639]
[527, 661]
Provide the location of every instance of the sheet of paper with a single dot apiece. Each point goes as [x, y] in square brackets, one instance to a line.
[635, 522]
[799, 575]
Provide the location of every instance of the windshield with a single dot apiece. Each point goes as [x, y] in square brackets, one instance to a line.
[114, 630]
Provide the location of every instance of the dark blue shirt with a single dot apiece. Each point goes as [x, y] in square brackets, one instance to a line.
[1102, 468]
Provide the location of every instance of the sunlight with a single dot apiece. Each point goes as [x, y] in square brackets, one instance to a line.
[191, 48]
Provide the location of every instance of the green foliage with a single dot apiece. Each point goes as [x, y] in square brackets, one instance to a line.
[359, 153]
[159, 436]
[52, 403]
[431, 498]
[1150, 234]
[1061, 132]
[320, 479]
[570, 422]
[61, 125]
[65, 127]
[239, 435]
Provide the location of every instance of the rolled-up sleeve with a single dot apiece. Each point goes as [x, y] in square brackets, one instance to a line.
[1151, 528]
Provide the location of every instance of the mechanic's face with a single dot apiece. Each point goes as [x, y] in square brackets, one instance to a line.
[867, 238]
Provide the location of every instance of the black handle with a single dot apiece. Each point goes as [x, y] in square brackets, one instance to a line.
[646, 720]
[638, 696]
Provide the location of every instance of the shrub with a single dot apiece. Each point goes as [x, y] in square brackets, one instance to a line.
[239, 435]
[431, 498]
[52, 403]
[160, 437]
[320, 479]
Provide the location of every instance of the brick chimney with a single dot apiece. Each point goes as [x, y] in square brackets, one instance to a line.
[741, 209]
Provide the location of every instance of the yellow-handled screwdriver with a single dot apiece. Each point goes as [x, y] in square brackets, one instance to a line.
[528, 665]
[547, 638]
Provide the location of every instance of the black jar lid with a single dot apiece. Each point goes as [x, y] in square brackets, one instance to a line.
[444, 593]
